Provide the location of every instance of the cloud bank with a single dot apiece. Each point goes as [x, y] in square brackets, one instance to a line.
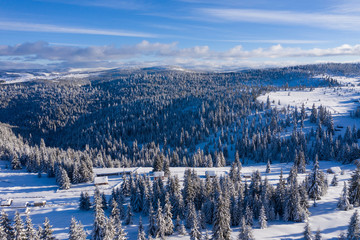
[147, 53]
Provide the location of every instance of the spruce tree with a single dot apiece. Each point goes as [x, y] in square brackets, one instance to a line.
[318, 235]
[19, 232]
[160, 223]
[334, 181]
[76, 231]
[317, 186]
[169, 225]
[129, 215]
[3, 235]
[47, 232]
[354, 188]
[190, 215]
[245, 232]
[195, 233]
[30, 231]
[343, 203]
[120, 234]
[84, 202]
[307, 232]
[268, 167]
[262, 218]
[221, 228]
[152, 228]
[353, 232]
[141, 233]
[98, 231]
[5, 222]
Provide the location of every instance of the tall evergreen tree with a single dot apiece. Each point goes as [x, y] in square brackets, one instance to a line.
[84, 202]
[152, 228]
[30, 231]
[195, 233]
[169, 225]
[129, 215]
[262, 218]
[141, 233]
[19, 232]
[245, 232]
[317, 186]
[353, 232]
[307, 232]
[343, 203]
[47, 232]
[160, 223]
[5, 222]
[76, 231]
[221, 228]
[354, 188]
[99, 225]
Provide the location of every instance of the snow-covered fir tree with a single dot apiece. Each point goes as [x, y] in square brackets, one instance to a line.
[160, 223]
[245, 232]
[354, 188]
[334, 181]
[353, 231]
[30, 231]
[262, 218]
[129, 215]
[19, 231]
[84, 202]
[343, 203]
[5, 222]
[307, 232]
[221, 228]
[76, 231]
[152, 228]
[316, 185]
[63, 179]
[99, 225]
[47, 231]
[268, 167]
[141, 233]
[318, 235]
[195, 233]
[169, 225]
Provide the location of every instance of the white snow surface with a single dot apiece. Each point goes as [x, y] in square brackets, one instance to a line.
[61, 205]
[340, 101]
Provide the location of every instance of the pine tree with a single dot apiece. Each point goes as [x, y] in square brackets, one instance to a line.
[5, 222]
[120, 233]
[19, 231]
[353, 232]
[76, 231]
[129, 215]
[249, 216]
[84, 202]
[190, 215]
[30, 232]
[110, 229]
[152, 228]
[15, 163]
[262, 218]
[221, 228]
[293, 210]
[63, 180]
[334, 181]
[343, 203]
[307, 232]
[354, 188]
[98, 231]
[318, 235]
[245, 232]
[3, 234]
[268, 167]
[141, 232]
[47, 232]
[169, 225]
[160, 222]
[316, 182]
[195, 233]
[103, 201]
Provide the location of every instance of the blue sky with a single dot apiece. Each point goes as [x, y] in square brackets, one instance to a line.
[210, 34]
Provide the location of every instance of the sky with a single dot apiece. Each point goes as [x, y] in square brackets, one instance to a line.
[197, 34]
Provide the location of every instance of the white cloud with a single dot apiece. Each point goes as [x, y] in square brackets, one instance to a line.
[148, 53]
[327, 20]
[35, 27]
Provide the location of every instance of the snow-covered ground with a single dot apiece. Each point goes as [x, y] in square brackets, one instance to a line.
[61, 205]
[340, 101]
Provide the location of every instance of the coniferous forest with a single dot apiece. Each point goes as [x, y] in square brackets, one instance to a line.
[163, 118]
